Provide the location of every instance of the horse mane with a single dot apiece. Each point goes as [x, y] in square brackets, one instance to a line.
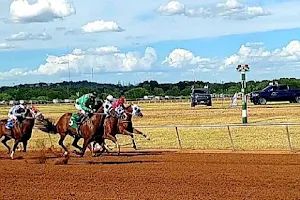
[127, 107]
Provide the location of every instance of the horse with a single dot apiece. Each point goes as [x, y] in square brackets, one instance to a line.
[91, 129]
[121, 123]
[21, 131]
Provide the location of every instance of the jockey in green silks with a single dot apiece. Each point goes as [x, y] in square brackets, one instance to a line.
[85, 105]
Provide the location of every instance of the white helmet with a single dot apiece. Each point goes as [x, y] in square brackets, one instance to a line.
[110, 98]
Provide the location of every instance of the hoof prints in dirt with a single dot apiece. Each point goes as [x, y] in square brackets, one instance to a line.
[112, 162]
[131, 154]
[9, 158]
[116, 162]
[62, 161]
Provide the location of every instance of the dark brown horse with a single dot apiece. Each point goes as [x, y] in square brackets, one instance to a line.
[121, 124]
[21, 131]
[91, 129]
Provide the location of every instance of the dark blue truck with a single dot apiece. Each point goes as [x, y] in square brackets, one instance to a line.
[275, 92]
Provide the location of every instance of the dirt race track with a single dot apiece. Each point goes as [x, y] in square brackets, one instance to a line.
[152, 175]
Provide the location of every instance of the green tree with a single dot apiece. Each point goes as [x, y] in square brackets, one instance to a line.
[174, 91]
[186, 91]
[158, 92]
[136, 93]
[5, 97]
[43, 98]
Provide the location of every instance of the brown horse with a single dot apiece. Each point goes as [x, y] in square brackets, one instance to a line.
[121, 124]
[91, 129]
[21, 131]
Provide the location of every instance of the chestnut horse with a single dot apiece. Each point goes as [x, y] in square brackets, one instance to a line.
[91, 129]
[121, 124]
[21, 131]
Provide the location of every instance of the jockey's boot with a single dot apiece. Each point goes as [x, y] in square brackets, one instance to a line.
[12, 133]
[81, 119]
[78, 132]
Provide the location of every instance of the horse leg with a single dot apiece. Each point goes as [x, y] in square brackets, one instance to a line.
[140, 133]
[5, 144]
[61, 143]
[14, 149]
[114, 140]
[75, 143]
[25, 141]
[85, 144]
[125, 132]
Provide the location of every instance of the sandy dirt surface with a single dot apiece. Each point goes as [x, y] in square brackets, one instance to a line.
[151, 175]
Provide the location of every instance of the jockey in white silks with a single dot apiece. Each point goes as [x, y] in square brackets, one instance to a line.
[13, 114]
[108, 104]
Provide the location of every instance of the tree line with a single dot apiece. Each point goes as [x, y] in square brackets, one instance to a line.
[71, 90]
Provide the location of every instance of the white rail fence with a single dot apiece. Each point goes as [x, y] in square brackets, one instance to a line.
[228, 126]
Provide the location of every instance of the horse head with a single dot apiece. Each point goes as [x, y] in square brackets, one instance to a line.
[35, 113]
[136, 111]
[131, 110]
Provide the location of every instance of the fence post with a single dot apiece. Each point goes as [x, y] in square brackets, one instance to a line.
[231, 140]
[178, 138]
[289, 138]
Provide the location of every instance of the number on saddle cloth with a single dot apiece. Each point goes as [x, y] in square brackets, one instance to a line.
[74, 119]
[120, 112]
[9, 124]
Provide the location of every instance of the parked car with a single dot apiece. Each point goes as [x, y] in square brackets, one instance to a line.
[200, 96]
[277, 92]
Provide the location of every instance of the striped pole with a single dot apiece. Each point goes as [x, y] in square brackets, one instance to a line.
[244, 98]
[243, 69]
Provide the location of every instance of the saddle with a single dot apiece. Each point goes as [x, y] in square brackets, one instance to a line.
[81, 119]
[12, 123]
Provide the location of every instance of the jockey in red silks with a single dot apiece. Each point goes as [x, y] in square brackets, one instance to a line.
[119, 102]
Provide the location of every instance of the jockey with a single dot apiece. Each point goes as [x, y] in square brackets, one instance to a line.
[85, 105]
[109, 99]
[119, 105]
[119, 102]
[15, 113]
[108, 104]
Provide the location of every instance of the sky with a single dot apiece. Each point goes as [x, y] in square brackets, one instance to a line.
[130, 41]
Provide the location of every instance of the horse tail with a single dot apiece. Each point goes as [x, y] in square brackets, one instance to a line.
[47, 126]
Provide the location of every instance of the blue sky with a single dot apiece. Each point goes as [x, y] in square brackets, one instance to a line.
[133, 41]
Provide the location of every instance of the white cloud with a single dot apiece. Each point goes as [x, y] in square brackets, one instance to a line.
[5, 46]
[29, 36]
[104, 50]
[101, 26]
[172, 8]
[106, 60]
[257, 55]
[229, 9]
[13, 73]
[22, 11]
[109, 59]
[182, 58]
